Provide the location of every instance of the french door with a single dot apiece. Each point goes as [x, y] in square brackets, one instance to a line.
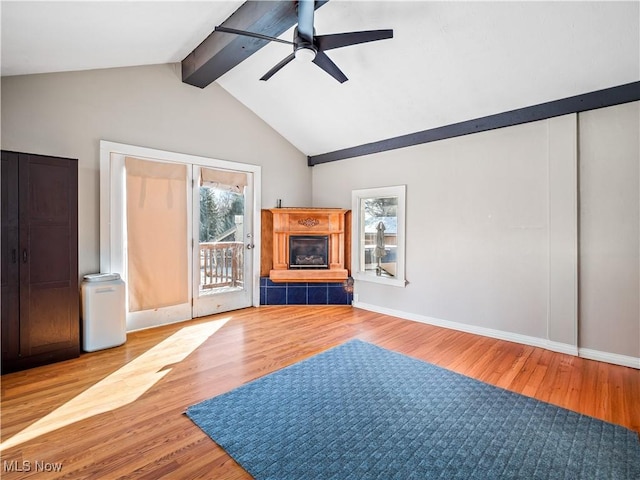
[179, 230]
[223, 240]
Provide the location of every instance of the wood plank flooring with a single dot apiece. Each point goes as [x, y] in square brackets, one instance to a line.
[117, 413]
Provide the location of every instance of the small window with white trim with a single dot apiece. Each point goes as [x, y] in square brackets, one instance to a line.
[378, 235]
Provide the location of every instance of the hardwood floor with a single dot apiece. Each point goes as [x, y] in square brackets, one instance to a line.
[118, 413]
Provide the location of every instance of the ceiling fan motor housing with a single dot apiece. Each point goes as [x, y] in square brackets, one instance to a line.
[303, 49]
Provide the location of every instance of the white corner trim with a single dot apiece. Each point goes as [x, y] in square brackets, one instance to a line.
[614, 358]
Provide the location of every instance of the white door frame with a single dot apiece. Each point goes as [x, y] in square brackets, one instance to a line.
[112, 208]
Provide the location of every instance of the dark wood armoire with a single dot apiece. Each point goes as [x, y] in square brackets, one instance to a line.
[40, 296]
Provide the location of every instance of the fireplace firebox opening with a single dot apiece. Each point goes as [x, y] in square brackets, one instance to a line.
[308, 251]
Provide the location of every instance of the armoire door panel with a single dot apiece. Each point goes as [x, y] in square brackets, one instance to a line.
[50, 324]
[49, 198]
[47, 324]
[49, 257]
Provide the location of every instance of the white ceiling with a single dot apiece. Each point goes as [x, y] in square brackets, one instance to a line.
[448, 61]
[53, 36]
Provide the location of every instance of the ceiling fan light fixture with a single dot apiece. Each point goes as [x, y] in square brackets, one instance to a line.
[305, 54]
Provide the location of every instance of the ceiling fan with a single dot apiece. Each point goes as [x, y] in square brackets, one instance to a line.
[310, 47]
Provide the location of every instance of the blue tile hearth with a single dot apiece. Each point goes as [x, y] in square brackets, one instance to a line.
[317, 295]
[338, 296]
[275, 296]
[301, 293]
[296, 295]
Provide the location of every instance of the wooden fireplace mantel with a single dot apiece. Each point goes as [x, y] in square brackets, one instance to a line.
[279, 223]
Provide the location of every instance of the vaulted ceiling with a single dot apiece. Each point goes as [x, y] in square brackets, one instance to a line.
[448, 61]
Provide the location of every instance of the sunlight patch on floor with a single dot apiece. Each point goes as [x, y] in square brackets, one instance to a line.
[123, 386]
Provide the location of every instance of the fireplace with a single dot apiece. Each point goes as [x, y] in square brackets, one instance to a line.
[311, 245]
[308, 251]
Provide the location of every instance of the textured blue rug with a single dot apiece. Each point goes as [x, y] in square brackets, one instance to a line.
[359, 411]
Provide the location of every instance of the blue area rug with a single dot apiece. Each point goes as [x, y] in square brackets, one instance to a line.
[359, 411]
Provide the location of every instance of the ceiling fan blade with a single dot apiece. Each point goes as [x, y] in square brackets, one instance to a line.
[275, 69]
[328, 66]
[337, 40]
[305, 19]
[251, 34]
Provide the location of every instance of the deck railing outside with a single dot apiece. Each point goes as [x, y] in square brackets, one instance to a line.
[221, 264]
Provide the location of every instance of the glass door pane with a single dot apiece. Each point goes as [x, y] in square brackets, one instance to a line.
[221, 239]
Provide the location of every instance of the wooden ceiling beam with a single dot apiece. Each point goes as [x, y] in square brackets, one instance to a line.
[220, 52]
[607, 97]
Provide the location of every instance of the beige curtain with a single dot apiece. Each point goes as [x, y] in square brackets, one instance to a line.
[156, 234]
[223, 179]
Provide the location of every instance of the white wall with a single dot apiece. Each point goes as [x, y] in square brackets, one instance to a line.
[610, 230]
[492, 233]
[67, 114]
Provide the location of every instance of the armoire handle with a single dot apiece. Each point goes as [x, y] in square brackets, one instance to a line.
[24, 256]
[14, 255]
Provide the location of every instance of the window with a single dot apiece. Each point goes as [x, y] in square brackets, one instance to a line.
[378, 235]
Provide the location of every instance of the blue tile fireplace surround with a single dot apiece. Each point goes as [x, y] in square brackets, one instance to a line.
[303, 293]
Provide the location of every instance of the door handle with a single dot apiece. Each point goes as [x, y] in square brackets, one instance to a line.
[24, 256]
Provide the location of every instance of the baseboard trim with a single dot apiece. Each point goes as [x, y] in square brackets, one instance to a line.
[507, 336]
[614, 358]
